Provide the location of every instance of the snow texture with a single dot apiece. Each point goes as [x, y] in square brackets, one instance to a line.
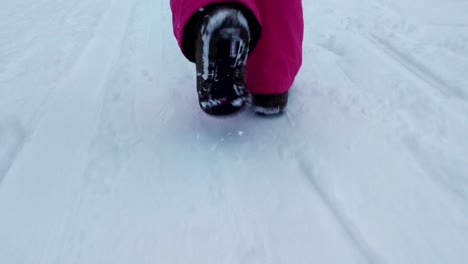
[99, 165]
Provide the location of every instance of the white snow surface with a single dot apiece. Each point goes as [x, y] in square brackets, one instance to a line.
[105, 156]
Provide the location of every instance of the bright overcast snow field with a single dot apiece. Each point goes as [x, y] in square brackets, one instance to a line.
[105, 156]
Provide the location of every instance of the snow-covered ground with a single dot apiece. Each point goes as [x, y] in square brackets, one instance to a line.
[105, 156]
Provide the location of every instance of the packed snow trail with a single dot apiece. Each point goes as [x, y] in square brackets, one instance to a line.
[106, 158]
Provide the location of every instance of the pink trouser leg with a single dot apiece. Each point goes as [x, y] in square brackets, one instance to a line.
[275, 62]
[277, 56]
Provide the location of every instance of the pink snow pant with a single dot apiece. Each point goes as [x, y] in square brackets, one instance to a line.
[277, 28]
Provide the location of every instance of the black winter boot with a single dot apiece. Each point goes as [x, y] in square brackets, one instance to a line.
[222, 47]
[270, 104]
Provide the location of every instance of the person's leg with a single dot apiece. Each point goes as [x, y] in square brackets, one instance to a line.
[274, 64]
[217, 35]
